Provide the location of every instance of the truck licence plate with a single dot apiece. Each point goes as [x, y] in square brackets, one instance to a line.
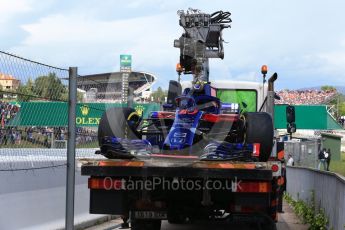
[150, 215]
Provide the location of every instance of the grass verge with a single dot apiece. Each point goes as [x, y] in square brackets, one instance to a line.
[338, 166]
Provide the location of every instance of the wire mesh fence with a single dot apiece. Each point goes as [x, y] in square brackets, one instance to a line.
[34, 111]
[33, 135]
[304, 153]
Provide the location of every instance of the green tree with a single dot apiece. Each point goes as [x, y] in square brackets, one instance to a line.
[328, 88]
[342, 109]
[24, 93]
[30, 84]
[49, 87]
[159, 95]
[80, 96]
[339, 103]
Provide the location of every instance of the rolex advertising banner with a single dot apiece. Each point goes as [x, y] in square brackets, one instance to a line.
[55, 114]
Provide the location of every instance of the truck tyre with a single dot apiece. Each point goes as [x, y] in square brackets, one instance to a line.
[265, 222]
[259, 129]
[176, 219]
[118, 122]
[143, 224]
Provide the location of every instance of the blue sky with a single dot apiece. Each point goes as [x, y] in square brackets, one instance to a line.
[303, 41]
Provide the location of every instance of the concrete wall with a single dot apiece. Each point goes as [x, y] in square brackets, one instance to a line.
[329, 189]
[35, 199]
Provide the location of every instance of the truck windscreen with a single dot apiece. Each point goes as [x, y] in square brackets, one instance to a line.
[240, 96]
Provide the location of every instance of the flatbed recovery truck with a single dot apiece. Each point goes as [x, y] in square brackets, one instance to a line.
[206, 156]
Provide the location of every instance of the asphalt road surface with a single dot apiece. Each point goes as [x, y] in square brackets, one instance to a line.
[287, 221]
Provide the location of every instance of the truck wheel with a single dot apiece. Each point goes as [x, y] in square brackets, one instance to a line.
[118, 122]
[176, 219]
[265, 222]
[259, 129]
[144, 224]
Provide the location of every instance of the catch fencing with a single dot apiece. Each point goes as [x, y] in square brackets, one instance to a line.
[304, 152]
[22, 81]
[34, 115]
[34, 112]
[43, 129]
[328, 189]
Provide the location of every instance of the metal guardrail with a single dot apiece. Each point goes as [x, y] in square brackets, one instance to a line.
[26, 159]
[329, 190]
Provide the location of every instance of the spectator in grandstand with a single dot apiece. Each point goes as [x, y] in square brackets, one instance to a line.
[305, 97]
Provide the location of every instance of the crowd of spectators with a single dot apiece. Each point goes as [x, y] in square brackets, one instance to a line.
[7, 112]
[43, 136]
[10, 136]
[85, 136]
[305, 97]
[15, 136]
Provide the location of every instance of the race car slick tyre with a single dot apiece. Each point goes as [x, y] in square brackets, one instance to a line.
[259, 129]
[118, 122]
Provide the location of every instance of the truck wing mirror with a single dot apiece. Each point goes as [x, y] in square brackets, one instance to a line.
[175, 90]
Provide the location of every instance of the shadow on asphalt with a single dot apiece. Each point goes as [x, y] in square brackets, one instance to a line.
[209, 226]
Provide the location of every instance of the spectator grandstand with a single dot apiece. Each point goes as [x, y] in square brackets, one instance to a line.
[107, 87]
[305, 97]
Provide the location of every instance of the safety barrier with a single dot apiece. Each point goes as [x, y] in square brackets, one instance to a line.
[26, 159]
[329, 190]
[34, 197]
